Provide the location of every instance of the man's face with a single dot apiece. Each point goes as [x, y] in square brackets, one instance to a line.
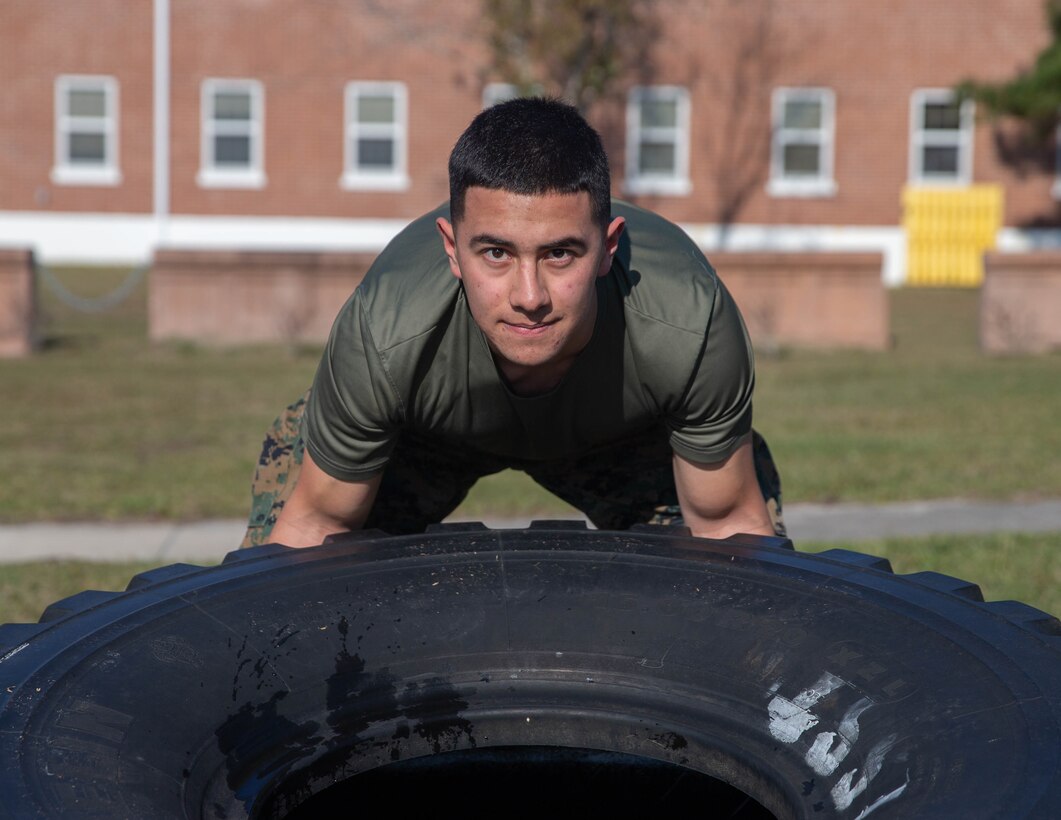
[529, 266]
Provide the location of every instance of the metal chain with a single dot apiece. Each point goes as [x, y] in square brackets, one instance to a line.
[97, 304]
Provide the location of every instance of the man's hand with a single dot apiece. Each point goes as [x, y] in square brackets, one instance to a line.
[721, 499]
[321, 506]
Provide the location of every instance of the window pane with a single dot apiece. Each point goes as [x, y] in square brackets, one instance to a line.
[802, 160]
[657, 158]
[659, 113]
[87, 149]
[942, 117]
[375, 153]
[232, 151]
[87, 103]
[803, 114]
[498, 93]
[940, 160]
[232, 105]
[375, 108]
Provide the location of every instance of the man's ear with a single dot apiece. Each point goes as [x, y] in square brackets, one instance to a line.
[449, 242]
[611, 243]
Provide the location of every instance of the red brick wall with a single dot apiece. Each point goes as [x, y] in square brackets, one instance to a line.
[873, 55]
[223, 297]
[18, 303]
[304, 55]
[809, 300]
[729, 54]
[1020, 302]
[42, 39]
[218, 297]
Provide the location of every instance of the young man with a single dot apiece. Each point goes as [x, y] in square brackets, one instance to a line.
[530, 324]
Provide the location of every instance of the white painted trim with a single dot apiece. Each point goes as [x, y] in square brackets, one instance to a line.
[801, 188]
[888, 240]
[216, 178]
[68, 238]
[640, 186]
[65, 172]
[283, 233]
[1016, 240]
[128, 239]
[73, 238]
[1055, 189]
[672, 184]
[494, 93]
[73, 175]
[370, 182]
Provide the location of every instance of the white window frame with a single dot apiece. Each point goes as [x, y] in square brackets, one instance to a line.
[962, 139]
[212, 176]
[395, 178]
[1056, 188]
[495, 93]
[801, 185]
[676, 183]
[65, 172]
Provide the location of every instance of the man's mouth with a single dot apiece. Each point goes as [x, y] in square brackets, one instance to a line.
[529, 328]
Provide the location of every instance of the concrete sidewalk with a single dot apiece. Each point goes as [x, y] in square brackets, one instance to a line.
[840, 524]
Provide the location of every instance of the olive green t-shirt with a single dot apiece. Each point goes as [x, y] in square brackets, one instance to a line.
[669, 350]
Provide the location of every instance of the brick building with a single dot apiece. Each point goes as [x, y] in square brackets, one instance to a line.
[126, 125]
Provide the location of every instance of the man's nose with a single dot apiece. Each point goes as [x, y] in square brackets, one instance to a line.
[529, 293]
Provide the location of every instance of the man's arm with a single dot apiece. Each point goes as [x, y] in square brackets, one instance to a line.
[721, 499]
[321, 505]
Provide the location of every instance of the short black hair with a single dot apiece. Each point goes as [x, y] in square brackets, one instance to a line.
[531, 146]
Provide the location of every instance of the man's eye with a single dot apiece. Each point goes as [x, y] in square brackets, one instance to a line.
[496, 254]
[559, 253]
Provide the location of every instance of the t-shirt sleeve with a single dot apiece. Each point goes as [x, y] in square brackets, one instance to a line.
[354, 410]
[715, 413]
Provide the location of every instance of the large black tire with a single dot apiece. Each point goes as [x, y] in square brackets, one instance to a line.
[820, 685]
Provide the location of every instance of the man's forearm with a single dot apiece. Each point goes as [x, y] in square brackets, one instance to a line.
[723, 498]
[304, 530]
[749, 519]
[321, 506]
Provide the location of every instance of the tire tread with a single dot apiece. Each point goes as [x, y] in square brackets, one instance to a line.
[75, 604]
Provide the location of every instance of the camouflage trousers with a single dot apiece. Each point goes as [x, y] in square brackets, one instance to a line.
[616, 487]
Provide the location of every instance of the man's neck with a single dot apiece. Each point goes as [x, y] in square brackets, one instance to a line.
[528, 382]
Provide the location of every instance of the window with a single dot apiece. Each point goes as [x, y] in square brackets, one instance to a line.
[375, 137]
[232, 153]
[801, 154]
[941, 138]
[1056, 190]
[86, 131]
[657, 141]
[495, 93]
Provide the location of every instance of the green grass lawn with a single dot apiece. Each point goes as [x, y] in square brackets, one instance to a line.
[933, 417]
[109, 426]
[104, 425]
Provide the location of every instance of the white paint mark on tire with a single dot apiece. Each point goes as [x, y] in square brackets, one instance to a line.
[847, 789]
[822, 756]
[789, 719]
[880, 801]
